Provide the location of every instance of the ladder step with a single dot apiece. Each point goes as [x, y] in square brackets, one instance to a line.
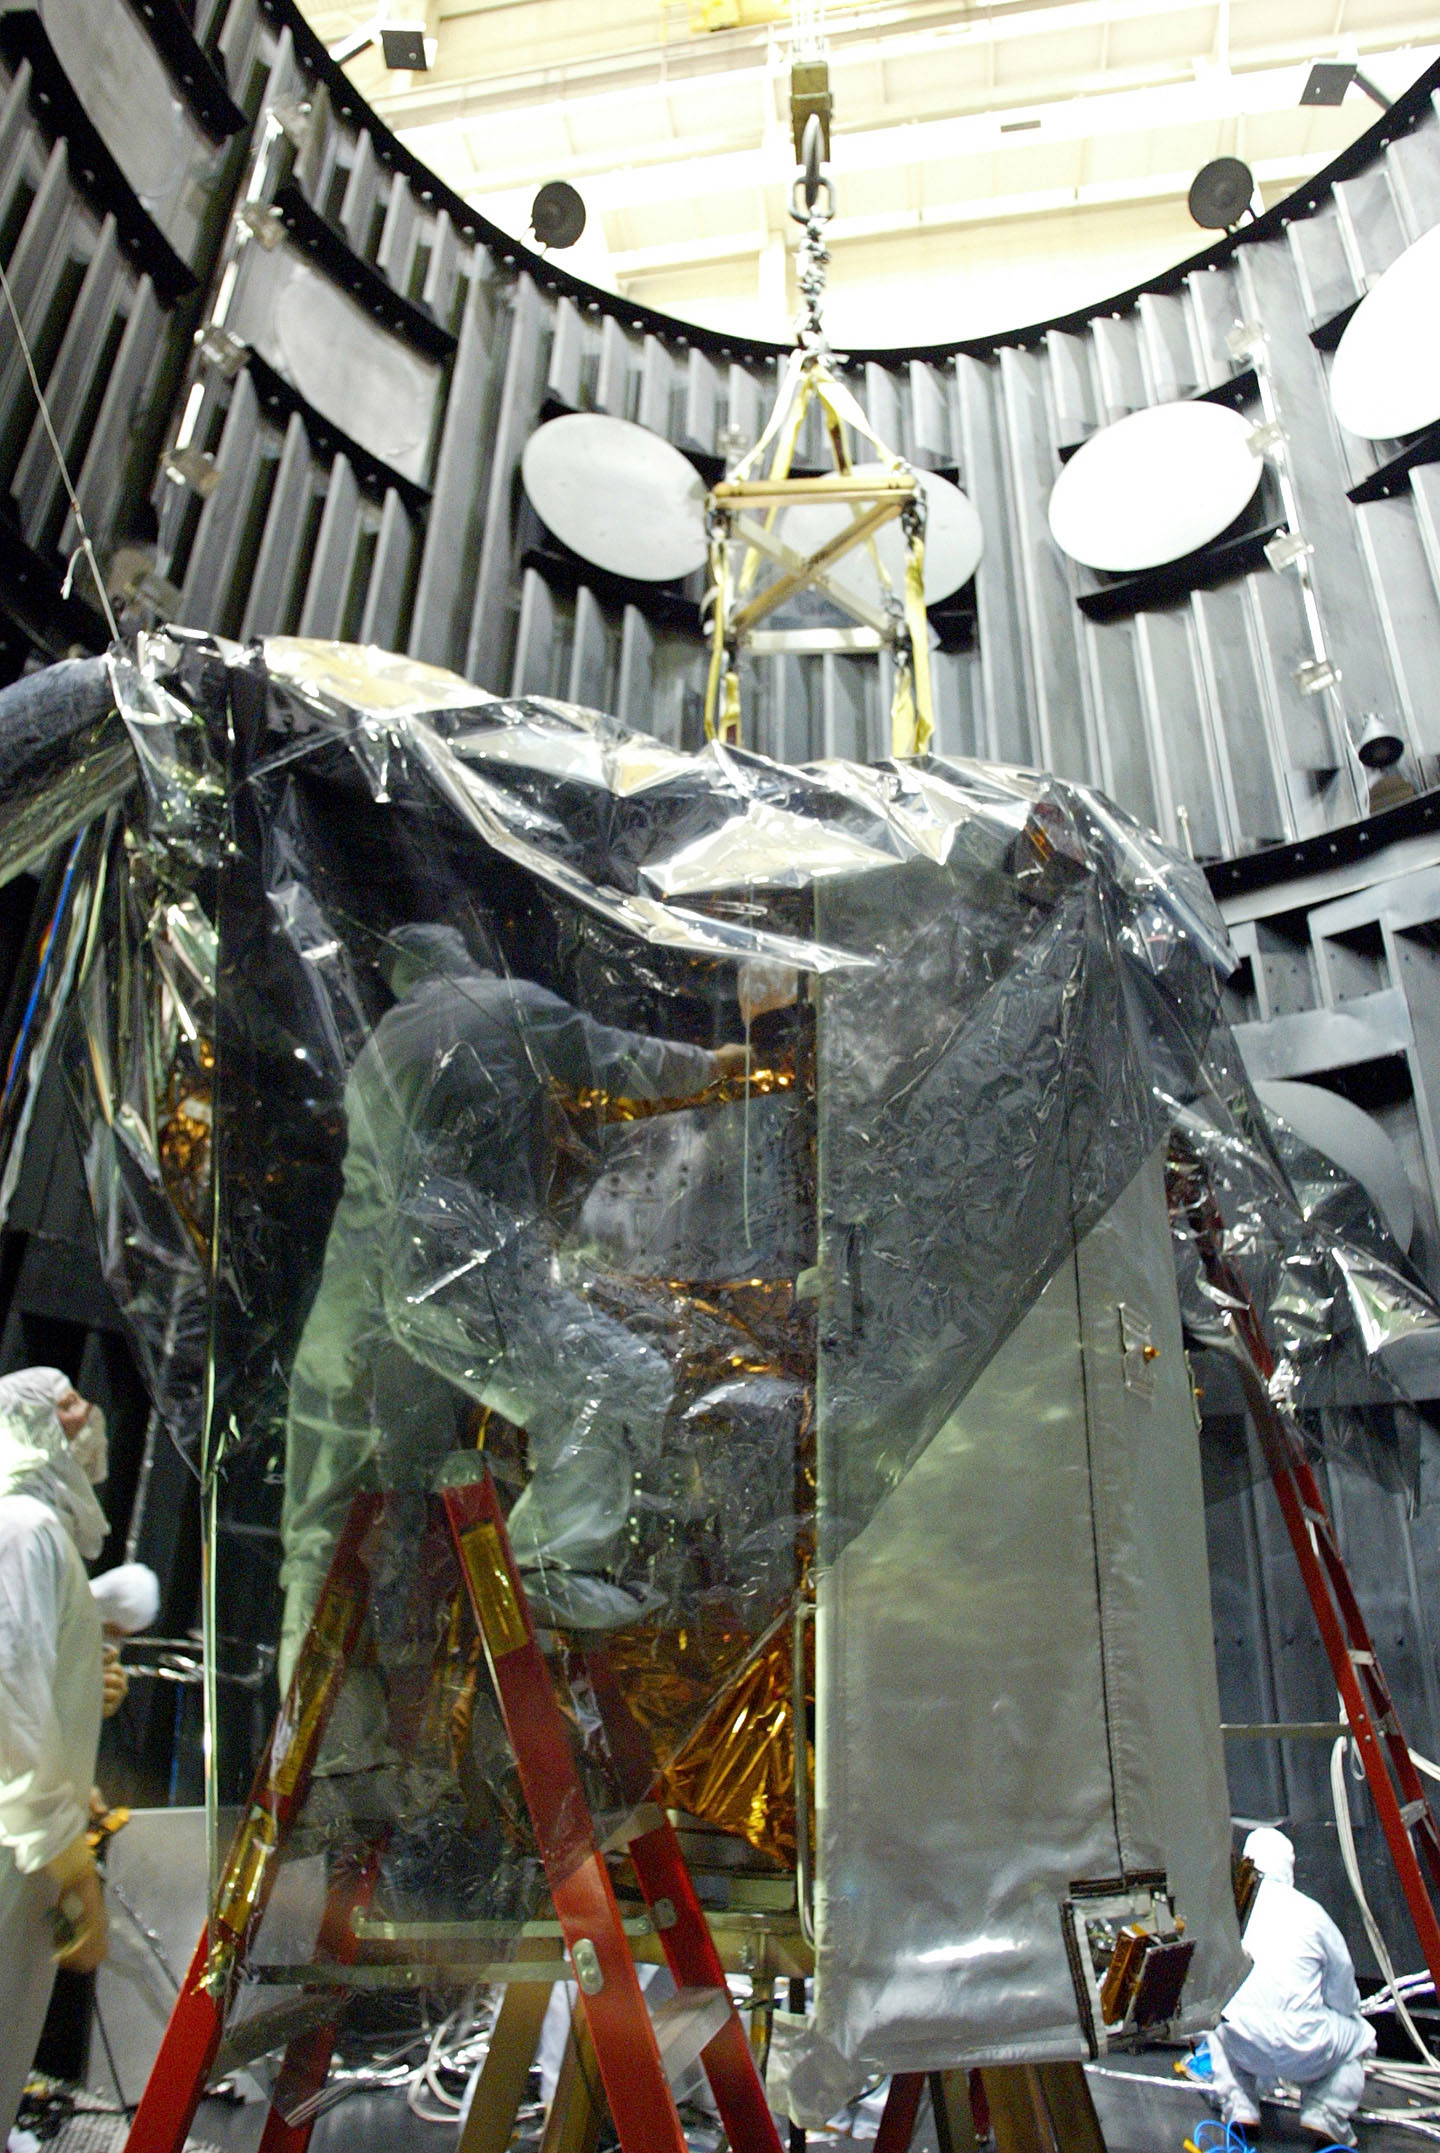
[1360, 1659]
[687, 2022]
[1412, 1813]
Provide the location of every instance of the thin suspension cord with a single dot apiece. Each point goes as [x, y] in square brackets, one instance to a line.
[77, 512]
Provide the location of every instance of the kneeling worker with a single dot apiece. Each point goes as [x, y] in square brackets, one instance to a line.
[1296, 2015]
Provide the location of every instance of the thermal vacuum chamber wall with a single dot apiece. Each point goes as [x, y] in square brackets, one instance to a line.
[275, 516]
[364, 481]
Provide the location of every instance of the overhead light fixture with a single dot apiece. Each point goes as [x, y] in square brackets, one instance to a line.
[404, 46]
[1328, 81]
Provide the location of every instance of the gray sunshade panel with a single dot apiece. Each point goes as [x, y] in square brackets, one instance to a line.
[121, 81]
[1016, 1686]
[357, 375]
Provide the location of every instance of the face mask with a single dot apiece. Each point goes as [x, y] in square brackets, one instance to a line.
[91, 1449]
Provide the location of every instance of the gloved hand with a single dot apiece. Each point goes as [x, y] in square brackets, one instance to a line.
[762, 985]
[82, 1932]
[116, 1681]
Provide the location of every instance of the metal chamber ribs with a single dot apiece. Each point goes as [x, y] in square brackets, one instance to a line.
[296, 369]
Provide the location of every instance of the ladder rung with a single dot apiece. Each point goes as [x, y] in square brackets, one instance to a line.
[687, 2022]
[1412, 1813]
[1360, 1659]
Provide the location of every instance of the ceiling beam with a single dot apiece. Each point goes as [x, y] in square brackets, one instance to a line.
[467, 83]
[714, 167]
[632, 264]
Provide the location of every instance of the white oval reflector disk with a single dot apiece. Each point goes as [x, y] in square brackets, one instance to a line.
[617, 495]
[1385, 380]
[1154, 487]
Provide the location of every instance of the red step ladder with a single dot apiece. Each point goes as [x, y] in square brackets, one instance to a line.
[1405, 1816]
[625, 2046]
[627, 2050]
[197, 2023]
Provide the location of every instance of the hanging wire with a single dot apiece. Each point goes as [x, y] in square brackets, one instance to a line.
[127, 2107]
[76, 511]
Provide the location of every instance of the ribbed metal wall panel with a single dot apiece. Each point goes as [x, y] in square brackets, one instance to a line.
[1189, 712]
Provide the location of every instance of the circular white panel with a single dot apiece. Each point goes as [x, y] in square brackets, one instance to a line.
[1386, 377]
[618, 495]
[1350, 1139]
[1153, 487]
[954, 539]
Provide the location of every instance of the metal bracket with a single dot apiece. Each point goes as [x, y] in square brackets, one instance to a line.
[1315, 675]
[1267, 440]
[1138, 1351]
[1286, 548]
[195, 468]
[263, 224]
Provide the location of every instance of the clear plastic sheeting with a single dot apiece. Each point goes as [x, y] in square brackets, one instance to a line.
[140, 1062]
[698, 1138]
[141, 1046]
[1352, 1327]
[64, 758]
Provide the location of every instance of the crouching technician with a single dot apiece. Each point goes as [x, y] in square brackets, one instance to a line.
[52, 1911]
[1296, 2015]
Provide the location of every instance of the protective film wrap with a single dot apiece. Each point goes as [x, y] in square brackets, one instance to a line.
[64, 758]
[1022, 1629]
[139, 1051]
[1344, 1312]
[697, 1137]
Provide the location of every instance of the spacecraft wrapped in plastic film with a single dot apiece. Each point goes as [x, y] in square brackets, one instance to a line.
[766, 1167]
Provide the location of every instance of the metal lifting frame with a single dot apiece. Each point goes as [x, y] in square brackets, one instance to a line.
[898, 624]
[618, 2022]
[1395, 1787]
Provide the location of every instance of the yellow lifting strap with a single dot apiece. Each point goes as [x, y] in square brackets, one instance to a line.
[912, 721]
[730, 709]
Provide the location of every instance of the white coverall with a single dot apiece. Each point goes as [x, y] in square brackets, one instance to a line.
[1296, 2015]
[443, 1279]
[50, 1698]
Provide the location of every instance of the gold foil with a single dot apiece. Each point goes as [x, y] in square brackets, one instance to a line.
[322, 1667]
[603, 1107]
[738, 1771]
[185, 1134]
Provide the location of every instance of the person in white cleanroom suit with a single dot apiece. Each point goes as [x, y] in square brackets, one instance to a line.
[444, 1280]
[1296, 2015]
[52, 1448]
